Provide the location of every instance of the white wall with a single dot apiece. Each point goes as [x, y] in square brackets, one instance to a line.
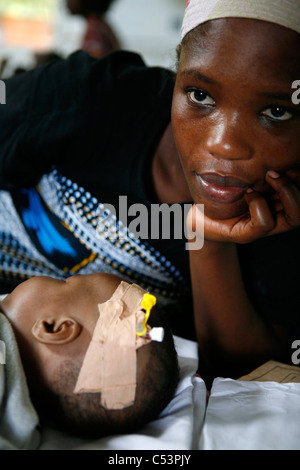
[149, 26]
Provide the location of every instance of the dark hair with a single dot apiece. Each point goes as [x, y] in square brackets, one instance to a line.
[86, 7]
[82, 414]
[194, 39]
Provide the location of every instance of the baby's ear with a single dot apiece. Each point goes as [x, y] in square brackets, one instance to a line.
[56, 330]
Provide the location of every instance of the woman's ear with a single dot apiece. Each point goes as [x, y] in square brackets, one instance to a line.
[56, 330]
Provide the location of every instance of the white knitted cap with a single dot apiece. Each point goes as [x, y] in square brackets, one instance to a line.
[282, 12]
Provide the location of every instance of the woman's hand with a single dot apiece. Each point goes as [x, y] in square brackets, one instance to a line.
[263, 219]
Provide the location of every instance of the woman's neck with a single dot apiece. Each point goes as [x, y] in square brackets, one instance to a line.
[169, 182]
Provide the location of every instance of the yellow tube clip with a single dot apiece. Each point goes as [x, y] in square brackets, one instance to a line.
[147, 303]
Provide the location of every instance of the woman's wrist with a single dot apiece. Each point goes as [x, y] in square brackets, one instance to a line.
[212, 248]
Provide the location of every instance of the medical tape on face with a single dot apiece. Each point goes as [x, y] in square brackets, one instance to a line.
[282, 12]
[110, 363]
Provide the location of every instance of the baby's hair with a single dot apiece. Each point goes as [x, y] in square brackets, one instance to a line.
[82, 414]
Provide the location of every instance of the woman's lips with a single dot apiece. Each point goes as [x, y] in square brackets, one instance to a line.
[220, 188]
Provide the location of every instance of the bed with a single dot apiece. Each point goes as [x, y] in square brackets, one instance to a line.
[249, 414]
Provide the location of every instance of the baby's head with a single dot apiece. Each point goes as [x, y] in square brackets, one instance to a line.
[54, 322]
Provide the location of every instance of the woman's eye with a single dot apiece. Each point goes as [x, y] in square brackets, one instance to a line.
[200, 97]
[278, 113]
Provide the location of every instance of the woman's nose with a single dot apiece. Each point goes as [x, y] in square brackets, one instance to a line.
[229, 138]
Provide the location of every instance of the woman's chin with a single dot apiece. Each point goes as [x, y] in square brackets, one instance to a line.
[224, 211]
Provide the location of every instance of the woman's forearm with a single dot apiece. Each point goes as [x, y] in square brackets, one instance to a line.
[228, 328]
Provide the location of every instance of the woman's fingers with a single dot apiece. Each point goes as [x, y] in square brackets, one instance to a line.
[261, 218]
[289, 195]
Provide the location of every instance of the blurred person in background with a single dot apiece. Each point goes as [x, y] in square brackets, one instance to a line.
[99, 38]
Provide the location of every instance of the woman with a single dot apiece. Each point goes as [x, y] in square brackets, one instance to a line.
[237, 133]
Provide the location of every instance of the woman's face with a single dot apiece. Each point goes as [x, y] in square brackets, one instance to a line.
[233, 117]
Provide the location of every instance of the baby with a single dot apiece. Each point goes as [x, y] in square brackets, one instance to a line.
[75, 335]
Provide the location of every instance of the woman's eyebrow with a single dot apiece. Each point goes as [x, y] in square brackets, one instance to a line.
[194, 73]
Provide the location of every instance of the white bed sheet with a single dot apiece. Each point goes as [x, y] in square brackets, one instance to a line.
[254, 415]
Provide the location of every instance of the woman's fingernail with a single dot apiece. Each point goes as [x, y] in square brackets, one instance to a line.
[273, 174]
[250, 190]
